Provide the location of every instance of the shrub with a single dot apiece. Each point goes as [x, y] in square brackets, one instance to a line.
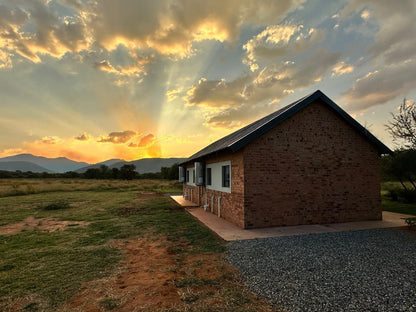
[55, 205]
[109, 304]
[408, 196]
[393, 194]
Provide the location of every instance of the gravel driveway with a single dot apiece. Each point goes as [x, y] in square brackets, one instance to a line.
[371, 270]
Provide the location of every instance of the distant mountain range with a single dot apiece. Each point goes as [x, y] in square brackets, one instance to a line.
[60, 164]
[22, 166]
[144, 165]
[29, 162]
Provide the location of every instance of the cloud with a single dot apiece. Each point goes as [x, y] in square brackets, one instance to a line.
[237, 117]
[365, 14]
[117, 137]
[173, 94]
[83, 137]
[35, 28]
[277, 41]
[145, 141]
[217, 93]
[5, 59]
[49, 140]
[135, 69]
[378, 87]
[341, 68]
[170, 28]
[392, 53]
[395, 40]
[105, 66]
[52, 35]
[229, 104]
[278, 79]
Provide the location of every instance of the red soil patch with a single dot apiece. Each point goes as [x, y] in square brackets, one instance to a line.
[152, 278]
[44, 224]
[143, 282]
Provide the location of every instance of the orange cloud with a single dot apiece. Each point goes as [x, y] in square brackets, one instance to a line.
[134, 70]
[49, 140]
[117, 137]
[83, 137]
[145, 141]
[105, 66]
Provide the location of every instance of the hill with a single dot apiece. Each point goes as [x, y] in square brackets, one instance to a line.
[29, 162]
[60, 164]
[23, 166]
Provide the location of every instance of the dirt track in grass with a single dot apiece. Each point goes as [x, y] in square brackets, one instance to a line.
[153, 278]
[43, 224]
[143, 281]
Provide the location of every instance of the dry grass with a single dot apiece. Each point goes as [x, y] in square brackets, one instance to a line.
[15, 187]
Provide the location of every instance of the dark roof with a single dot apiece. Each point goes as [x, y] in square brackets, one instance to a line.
[240, 138]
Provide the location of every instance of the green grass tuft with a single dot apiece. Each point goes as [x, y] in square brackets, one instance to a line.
[109, 304]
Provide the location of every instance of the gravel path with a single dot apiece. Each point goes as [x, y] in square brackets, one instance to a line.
[371, 270]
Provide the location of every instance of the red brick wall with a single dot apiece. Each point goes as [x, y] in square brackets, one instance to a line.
[312, 168]
[232, 204]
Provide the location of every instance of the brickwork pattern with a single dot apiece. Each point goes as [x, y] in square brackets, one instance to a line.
[312, 168]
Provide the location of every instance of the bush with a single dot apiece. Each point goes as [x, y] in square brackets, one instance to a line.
[408, 196]
[393, 194]
[55, 205]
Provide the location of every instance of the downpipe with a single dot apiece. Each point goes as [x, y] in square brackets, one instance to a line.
[206, 202]
[219, 207]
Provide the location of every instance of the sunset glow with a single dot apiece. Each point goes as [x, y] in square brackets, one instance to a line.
[95, 80]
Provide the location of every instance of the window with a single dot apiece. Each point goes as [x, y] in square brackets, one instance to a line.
[226, 176]
[209, 175]
[193, 176]
[187, 176]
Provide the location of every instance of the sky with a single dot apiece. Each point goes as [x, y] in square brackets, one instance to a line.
[130, 79]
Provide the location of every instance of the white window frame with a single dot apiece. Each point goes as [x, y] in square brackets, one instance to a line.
[216, 176]
[191, 176]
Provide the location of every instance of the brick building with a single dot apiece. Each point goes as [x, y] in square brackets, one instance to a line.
[307, 163]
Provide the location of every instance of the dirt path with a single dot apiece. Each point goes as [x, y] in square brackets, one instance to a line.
[43, 224]
[152, 278]
[144, 281]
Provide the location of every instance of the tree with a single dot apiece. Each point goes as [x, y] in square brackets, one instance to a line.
[92, 173]
[115, 173]
[105, 172]
[401, 166]
[170, 173]
[174, 172]
[164, 172]
[127, 172]
[403, 125]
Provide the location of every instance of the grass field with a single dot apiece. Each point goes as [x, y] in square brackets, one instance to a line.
[395, 206]
[69, 245]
